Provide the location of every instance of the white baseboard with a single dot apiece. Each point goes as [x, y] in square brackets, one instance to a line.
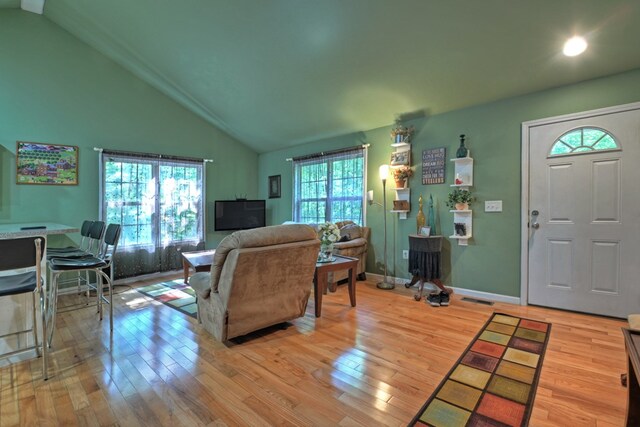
[486, 295]
[460, 291]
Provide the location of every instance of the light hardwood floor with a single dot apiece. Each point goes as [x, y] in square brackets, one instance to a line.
[374, 364]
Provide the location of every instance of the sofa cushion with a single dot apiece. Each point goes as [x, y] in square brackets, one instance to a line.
[257, 237]
[351, 230]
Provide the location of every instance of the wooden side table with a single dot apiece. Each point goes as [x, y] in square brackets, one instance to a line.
[199, 260]
[321, 274]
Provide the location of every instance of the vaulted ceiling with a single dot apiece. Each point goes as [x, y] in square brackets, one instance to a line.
[274, 73]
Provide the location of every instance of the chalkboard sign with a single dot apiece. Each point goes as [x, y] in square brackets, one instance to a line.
[433, 162]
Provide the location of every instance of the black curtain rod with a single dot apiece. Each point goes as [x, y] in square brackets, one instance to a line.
[151, 155]
[328, 153]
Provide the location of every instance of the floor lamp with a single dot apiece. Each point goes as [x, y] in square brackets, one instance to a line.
[384, 174]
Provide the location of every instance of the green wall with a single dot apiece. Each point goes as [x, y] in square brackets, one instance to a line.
[491, 262]
[56, 89]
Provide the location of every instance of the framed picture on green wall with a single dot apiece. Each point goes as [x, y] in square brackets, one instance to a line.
[50, 164]
[274, 187]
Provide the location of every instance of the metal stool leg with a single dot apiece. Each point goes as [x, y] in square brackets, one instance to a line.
[35, 324]
[45, 361]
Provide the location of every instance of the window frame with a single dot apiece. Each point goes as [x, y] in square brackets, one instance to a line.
[592, 150]
[156, 218]
[329, 160]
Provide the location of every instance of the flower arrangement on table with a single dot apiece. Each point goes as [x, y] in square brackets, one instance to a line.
[328, 233]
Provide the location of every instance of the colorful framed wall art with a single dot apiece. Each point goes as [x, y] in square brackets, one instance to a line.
[49, 164]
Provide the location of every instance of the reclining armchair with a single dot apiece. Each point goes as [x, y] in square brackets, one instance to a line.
[258, 278]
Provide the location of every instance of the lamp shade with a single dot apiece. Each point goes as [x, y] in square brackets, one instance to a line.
[384, 172]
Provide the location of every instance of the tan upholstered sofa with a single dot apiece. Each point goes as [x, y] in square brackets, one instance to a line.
[355, 247]
[259, 278]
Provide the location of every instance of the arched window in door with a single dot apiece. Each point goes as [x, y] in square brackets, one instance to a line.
[583, 140]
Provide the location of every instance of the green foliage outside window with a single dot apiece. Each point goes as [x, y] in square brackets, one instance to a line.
[330, 189]
[583, 140]
[155, 203]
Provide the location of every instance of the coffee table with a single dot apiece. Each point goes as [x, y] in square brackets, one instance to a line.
[320, 278]
[199, 260]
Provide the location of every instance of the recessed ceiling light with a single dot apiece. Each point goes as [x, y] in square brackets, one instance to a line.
[574, 46]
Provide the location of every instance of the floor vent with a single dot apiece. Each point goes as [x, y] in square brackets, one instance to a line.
[477, 301]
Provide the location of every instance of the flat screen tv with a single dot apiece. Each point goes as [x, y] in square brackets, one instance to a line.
[239, 214]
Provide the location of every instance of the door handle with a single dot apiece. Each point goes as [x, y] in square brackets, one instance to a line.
[534, 216]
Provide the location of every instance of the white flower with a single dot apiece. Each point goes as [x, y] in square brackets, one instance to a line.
[328, 233]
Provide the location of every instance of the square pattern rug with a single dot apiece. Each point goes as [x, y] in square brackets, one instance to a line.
[494, 381]
[175, 294]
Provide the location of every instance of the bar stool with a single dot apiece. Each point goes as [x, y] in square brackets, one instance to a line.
[83, 246]
[92, 233]
[17, 254]
[100, 263]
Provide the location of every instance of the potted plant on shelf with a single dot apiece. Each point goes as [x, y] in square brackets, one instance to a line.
[459, 199]
[401, 174]
[401, 134]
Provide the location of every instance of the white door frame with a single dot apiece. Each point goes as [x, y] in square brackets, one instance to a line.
[524, 196]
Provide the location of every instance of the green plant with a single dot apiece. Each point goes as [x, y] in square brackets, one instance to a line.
[402, 173]
[459, 195]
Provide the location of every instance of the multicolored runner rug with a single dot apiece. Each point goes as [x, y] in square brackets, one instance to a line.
[175, 294]
[494, 382]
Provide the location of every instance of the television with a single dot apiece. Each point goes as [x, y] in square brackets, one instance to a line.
[239, 214]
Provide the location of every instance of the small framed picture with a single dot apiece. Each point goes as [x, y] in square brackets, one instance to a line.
[425, 231]
[274, 187]
[400, 158]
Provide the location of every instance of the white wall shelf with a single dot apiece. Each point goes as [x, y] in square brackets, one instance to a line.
[463, 217]
[400, 144]
[463, 169]
[402, 193]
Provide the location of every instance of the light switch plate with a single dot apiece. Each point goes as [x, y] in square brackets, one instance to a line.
[493, 206]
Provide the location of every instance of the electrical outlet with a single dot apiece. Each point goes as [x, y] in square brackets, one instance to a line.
[493, 206]
[405, 254]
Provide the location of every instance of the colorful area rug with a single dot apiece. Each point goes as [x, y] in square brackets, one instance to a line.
[494, 382]
[175, 294]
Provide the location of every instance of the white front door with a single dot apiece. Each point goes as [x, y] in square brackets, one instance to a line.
[584, 214]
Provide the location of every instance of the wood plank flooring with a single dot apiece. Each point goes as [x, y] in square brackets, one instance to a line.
[371, 365]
